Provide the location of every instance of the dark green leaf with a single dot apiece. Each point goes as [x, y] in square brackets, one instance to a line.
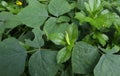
[114, 49]
[58, 7]
[12, 58]
[84, 58]
[43, 63]
[38, 41]
[34, 14]
[8, 20]
[108, 65]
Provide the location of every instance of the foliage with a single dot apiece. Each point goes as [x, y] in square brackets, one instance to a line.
[59, 37]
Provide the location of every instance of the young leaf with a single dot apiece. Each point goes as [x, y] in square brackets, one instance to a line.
[102, 38]
[58, 38]
[67, 38]
[51, 27]
[71, 34]
[63, 55]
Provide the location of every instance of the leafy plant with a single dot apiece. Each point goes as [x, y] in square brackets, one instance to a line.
[59, 37]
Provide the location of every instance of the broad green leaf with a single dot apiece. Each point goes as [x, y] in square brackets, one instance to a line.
[58, 38]
[108, 65]
[51, 27]
[63, 55]
[8, 20]
[43, 63]
[34, 15]
[38, 41]
[12, 58]
[84, 58]
[58, 7]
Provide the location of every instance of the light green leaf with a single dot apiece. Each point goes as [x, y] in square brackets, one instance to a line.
[84, 58]
[43, 63]
[63, 55]
[58, 7]
[72, 31]
[58, 38]
[34, 15]
[51, 27]
[12, 58]
[80, 4]
[38, 41]
[108, 65]
[102, 38]
[91, 4]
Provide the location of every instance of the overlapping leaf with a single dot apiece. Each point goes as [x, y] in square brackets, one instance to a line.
[34, 14]
[12, 58]
[84, 58]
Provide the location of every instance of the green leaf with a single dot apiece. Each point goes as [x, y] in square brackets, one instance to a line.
[84, 58]
[91, 4]
[114, 49]
[58, 38]
[12, 58]
[82, 17]
[108, 65]
[43, 63]
[80, 4]
[102, 38]
[34, 15]
[63, 19]
[63, 55]
[51, 27]
[72, 31]
[58, 7]
[38, 41]
[8, 20]
[67, 38]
